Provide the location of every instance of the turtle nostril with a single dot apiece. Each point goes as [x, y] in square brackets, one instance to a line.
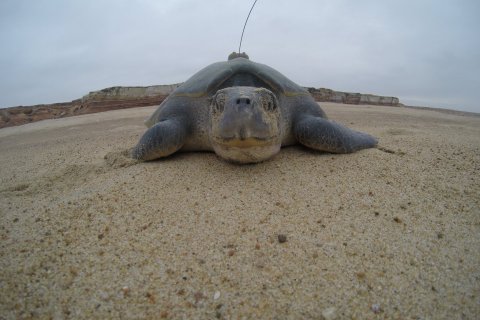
[243, 101]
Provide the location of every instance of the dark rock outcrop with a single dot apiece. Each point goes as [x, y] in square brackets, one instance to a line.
[129, 97]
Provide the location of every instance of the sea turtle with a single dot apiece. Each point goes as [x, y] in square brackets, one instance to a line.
[245, 112]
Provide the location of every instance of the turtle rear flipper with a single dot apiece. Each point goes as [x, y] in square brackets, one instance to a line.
[325, 135]
[161, 140]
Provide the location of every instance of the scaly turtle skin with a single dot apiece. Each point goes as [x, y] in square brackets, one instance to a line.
[245, 112]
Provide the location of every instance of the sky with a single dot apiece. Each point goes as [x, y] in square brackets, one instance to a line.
[426, 52]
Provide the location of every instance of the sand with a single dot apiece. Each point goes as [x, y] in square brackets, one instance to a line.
[387, 233]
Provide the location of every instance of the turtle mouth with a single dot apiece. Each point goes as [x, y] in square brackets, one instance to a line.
[244, 142]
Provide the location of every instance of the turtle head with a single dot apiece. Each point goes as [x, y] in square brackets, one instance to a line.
[245, 124]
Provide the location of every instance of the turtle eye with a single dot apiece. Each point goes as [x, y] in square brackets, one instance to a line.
[269, 103]
[219, 102]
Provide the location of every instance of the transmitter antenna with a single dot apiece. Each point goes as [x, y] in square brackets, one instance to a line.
[241, 38]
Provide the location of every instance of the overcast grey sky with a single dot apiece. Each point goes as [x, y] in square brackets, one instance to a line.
[424, 52]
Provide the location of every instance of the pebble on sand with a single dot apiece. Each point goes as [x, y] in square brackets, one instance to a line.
[329, 313]
[376, 308]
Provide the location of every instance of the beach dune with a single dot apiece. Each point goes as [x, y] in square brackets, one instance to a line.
[391, 232]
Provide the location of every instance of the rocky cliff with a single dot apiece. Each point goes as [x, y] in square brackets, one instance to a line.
[97, 101]
[129, 97]
[328, 95]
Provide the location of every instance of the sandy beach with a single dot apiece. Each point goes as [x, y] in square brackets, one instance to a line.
[386, 233]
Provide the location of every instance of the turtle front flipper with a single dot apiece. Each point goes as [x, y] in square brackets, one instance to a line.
[325, 135]
[161, 140]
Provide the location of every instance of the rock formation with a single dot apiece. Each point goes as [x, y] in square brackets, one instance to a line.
[125, 97]
[129, 97]
[97, 101]
[328, 95]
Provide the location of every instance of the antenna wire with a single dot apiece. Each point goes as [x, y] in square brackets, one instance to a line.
[241, 38]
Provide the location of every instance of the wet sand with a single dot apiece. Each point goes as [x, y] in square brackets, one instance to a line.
[386, 233]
